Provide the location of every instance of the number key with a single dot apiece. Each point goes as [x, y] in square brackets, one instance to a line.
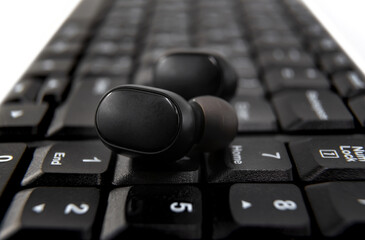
[250, 160]
[260, 209]
[68, 163]
[10, 156]
[47, 213]
[160, 211]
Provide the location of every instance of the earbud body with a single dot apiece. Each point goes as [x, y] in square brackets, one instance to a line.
[195, 73]
[151, 123]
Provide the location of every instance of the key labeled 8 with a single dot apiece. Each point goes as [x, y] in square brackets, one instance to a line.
[283, 205]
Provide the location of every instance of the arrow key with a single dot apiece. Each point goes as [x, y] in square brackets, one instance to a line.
[52, 213]
[23, 119]
[71, 164]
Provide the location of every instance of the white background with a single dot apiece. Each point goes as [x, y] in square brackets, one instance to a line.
[27, 25]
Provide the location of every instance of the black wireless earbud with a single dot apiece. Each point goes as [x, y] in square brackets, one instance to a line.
[193, 73]
[146, 122]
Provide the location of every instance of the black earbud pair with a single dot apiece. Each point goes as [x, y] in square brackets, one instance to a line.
[159, 122]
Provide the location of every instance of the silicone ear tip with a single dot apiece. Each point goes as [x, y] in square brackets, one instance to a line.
[220, 123]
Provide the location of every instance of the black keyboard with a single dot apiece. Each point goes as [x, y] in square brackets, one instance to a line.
[296, 169]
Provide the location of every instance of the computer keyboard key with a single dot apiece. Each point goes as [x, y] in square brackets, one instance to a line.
[23, 119]
[53, 90]
[130, 172]
[73, 31]
[109, 48]
[159, 211]
[62, 49]
[76, 115]
[259, 210]
[244, 67]
[357, 106]
[24, 91]
[280, 57]
[107, 33]
[118, 66]
[87, 11]
[339, 208]
[254, 114]
[47, 66]
[349, 84]
[167, 40]
[277, 79]
[311, 110]
[335, 62]
[83, 163]
[279, 40]
[216, 35]
[325, 44]
[313, 31]
[329, 159]
[51, 213]
[249, 87]
[10, 157]
[250, 160]
[225, 50]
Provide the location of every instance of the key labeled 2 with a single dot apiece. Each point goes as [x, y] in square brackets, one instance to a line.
[52, 211]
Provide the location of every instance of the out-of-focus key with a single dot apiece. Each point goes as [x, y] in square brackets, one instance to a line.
[119, 66]
[311, 109]
[24, 91]
[249, 87]
[349, 83]
[45, 67]
[285, 58]
[357, 106]
[53, 89]
[335, 62]
[278, 79]
[254, 114]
